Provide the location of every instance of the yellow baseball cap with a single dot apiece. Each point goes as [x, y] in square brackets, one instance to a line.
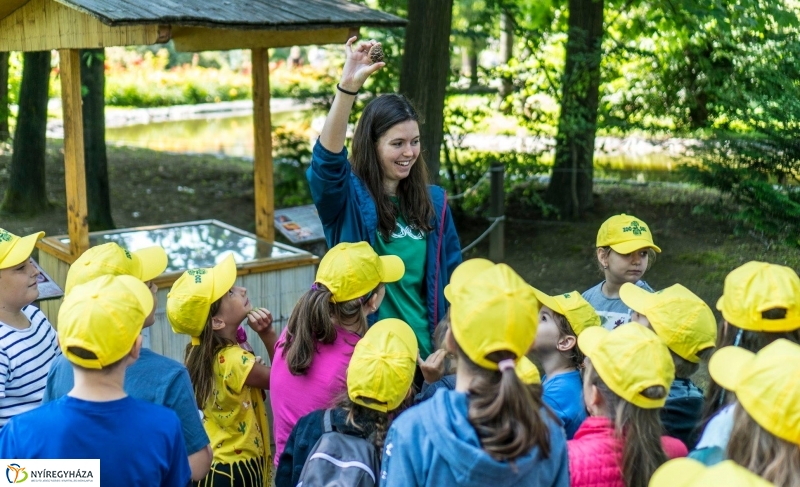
[352, 270]
[190, 299]
[462, 273]
[629, 359]
[383, 365]
[686, 472]
[765, 383]
[578, 312]
[625, 234]
[756, 287]
[492, 310]
[144, 264]
[16, 250]
[677, 315]
[103, 316]
[527, 371]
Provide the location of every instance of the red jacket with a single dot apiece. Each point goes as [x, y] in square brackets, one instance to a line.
[595, 455]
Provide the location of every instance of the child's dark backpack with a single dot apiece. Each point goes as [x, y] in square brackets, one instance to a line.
[340, 460]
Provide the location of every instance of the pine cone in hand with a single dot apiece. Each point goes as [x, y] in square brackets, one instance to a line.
[376, 53]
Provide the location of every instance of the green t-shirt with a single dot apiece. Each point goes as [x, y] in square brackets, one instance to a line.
[405, 298]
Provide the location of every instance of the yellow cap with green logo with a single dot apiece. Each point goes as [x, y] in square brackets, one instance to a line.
[352, 270]
[527, 371]
[382, 367]
[103, 316]
[578, 312]
[15, 250]
[677, 315]
[756, 287]
[629, 359]
[492, 310]
[765, 383]
[686, 472]
[144, 264]
[190, 299]
[625, 234]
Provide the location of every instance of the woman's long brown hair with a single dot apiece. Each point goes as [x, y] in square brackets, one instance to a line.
[199, 359]
[763, 453]
[638, 429]
[504, 412]
[380, 115]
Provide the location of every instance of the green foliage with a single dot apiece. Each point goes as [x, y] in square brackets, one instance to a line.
[745, 169]
[292, 156]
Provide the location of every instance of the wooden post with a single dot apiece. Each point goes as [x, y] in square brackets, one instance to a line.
[497, 210]
[74, 163]
[262, 164]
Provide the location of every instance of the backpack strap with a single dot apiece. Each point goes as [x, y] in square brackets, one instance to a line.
[326, 421]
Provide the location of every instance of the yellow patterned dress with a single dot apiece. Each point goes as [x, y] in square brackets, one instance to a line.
[236, 422]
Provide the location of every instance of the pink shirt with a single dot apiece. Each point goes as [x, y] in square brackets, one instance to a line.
[294, 396]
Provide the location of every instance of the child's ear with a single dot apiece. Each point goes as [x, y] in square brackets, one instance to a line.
[217, 323]
[567, 342]
[592, 399]
[137, 347]
[450, 341]
[602, 256]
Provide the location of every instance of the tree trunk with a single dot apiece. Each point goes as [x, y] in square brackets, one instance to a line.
[4, 133]
[570, 189]
[425, 69]
[93, 82]
[473, 63]
[506, 49]
[27, 193]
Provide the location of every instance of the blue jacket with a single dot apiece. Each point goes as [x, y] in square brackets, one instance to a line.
[348, 214]
[434, 444]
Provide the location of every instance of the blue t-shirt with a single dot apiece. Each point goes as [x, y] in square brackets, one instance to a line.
[138, 443]
[152, 378]
[564, 394]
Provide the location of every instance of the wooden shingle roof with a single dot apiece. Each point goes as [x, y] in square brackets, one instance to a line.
[238, 14]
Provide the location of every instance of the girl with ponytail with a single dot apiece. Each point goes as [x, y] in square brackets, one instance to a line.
[492, 429]
[227, 379]
[313, 352]
[628, 374]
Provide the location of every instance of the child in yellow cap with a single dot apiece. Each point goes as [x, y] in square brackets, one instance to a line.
[153, 377]
[561, 319]
[687, 326]
[27, 340]
[137, 442]
[378, 382]
[628, 373]
[227, 379]
[765, 438]
[625, 250]
[326, 323]
[490, 430]
[760, 303]
[685, 472]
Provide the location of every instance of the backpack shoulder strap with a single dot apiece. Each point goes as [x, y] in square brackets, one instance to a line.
[326, 421]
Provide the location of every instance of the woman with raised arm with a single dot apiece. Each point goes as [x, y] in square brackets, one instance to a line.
[381, 195]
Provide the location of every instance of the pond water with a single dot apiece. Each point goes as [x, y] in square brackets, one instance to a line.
[233, 136]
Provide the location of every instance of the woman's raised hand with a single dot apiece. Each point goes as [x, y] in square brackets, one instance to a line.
[358, 65]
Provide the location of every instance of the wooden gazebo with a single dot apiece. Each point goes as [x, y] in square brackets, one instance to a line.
[193, 25]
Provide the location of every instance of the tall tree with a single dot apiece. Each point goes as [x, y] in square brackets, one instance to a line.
[93, 81]
[26, 193]
[4, 133]
[425, 70]
[570, 189]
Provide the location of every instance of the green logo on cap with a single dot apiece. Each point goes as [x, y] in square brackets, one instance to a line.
[566, 296]
[127, 254]
[197, 274]
[5, 236]
[635, 228]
